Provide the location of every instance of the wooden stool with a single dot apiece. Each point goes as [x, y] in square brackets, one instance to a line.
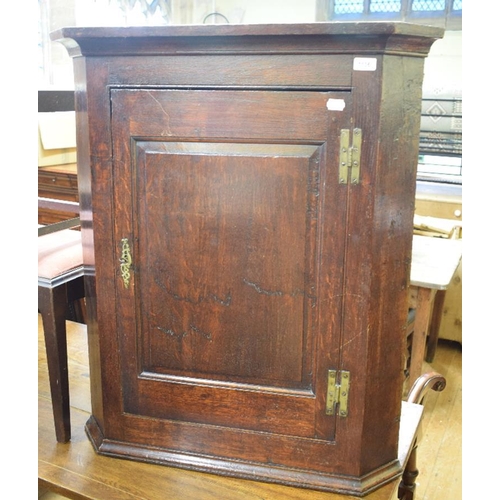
[60, 283]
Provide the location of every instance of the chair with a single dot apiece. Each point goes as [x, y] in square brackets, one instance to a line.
[416, 395]
[60, 287]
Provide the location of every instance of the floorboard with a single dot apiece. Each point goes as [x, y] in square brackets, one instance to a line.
[440, 450]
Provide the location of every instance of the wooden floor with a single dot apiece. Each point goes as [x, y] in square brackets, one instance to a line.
[440, 451]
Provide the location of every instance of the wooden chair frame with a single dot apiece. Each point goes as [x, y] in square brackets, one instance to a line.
[428, 381]
[58, 288]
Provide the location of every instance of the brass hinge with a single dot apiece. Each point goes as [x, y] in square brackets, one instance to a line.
[337, 392]
[350, 156]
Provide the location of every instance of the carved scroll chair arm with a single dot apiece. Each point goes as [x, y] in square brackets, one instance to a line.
[426, 382]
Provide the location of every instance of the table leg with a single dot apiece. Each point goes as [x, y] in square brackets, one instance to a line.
[52, 306]
[437, 313]
[425, 297]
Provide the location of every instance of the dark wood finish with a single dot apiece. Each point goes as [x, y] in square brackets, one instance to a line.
[76, 471]
[66, 206]
[214, 152]
[60, 296]
[60, 206]
[50, 101]
[56, 182]
[52, 305]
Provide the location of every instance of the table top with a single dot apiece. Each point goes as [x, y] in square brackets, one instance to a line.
[74, 469]
[66, 168]
[434, 261]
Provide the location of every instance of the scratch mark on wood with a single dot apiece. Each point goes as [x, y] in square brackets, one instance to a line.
[226, 301]
[271, 293]
[206, 335]
[170, 332]
[165, 112]
[184, 334]
[256, 287]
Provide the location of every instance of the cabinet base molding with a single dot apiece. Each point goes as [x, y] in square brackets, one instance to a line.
[338, 483]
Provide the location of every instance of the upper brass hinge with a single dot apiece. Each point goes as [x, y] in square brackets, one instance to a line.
[350, 156]
[337, 392]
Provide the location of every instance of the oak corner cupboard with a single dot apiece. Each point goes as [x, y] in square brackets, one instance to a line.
[247, 198]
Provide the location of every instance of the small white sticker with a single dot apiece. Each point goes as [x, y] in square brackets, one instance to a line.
[335, 104]
[364, 64]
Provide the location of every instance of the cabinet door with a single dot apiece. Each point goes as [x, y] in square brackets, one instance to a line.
[229, 235]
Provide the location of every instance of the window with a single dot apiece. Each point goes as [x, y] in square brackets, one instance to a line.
[445, 13]
[342, 7]
[440, 144]
[385, 6]
[447, 169]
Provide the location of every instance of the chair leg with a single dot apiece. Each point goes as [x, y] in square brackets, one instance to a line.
[408, 485]
[52, 306]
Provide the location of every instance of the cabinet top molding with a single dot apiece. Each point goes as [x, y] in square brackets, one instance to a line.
[333, 37]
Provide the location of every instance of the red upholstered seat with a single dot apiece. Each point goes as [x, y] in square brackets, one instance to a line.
[59, 253]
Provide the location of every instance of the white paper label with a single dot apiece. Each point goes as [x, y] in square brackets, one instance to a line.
[364, 64]
[335, 104]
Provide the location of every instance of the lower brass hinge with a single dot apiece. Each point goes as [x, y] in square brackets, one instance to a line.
[337, 392]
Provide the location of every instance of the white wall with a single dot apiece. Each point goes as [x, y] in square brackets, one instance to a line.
[100, 12]
[105, 13]
[264, 11]
[443, 67]
[59, 73]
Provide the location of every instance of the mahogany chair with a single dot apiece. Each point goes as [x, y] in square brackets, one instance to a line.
[60, 287]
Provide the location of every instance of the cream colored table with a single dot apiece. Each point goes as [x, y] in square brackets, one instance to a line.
[434, 262]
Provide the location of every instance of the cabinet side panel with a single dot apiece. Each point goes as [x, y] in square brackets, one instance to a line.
[393, 225]
[94, 151]
[381, 236]
[84, 176]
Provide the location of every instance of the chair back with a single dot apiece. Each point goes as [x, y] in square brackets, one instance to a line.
[69, 207]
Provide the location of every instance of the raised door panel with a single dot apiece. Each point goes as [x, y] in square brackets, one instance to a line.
[232, 315]
[229, 291]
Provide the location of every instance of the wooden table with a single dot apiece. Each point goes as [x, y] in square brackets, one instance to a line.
[434, 262]
[59, 182]
[76, 471]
